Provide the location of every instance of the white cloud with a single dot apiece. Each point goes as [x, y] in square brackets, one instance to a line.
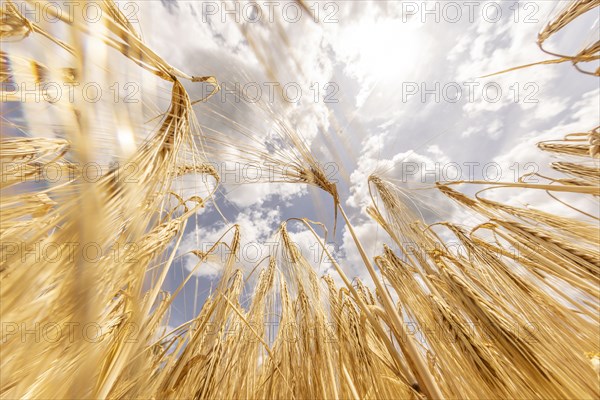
[256, 229]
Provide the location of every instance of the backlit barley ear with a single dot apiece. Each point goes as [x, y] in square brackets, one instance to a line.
[594, 139]
[13, 25]
[588, 53]
[567, 14]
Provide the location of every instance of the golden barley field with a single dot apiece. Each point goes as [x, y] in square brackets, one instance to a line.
[124, 271]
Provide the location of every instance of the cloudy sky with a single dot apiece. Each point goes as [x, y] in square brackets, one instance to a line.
[388, 86]
[404, 94]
